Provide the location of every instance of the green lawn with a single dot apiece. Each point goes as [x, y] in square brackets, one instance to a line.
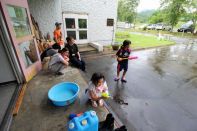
[141, 41]
[155, 32]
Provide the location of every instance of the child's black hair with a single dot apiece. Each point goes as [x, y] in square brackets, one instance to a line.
[69, 38]
[63, 50]
[96, 77]
[125, 43]
[56, 46]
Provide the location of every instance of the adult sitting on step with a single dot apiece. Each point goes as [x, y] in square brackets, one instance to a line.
[75, 57]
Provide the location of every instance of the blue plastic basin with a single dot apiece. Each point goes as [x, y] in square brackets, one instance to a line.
[63, 93]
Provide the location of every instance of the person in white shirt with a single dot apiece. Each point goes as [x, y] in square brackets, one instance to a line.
[97, 86]
[59, 61]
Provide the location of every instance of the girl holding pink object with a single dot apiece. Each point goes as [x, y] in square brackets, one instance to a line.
[97, 86]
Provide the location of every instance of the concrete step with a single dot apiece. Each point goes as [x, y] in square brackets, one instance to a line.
[96, 55]
[90, 54]
[88, 51]
[86, 48]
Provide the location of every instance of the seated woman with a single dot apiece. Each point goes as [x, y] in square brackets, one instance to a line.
[97, 86]
[59, 61]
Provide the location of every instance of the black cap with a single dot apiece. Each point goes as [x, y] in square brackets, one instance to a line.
[57, 23]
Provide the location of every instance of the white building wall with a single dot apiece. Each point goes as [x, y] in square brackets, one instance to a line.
[46, 13]
[98, 11]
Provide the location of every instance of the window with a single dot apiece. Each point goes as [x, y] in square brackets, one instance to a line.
[110, 22]
[82, 35]
[70, 23]
[28, 52]
[82, 23]
[20, 21]
[72, 33]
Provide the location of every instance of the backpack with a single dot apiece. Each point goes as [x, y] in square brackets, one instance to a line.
[44, 54]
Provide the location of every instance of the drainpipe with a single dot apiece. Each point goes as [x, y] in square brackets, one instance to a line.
[113, 35]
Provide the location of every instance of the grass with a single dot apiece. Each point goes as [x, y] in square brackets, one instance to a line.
[155, 32]
[141, 41]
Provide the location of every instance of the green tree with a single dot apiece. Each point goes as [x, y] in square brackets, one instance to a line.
[127, 10]
[157, 17]
[174, 10]
[191, 11]
[143, 16]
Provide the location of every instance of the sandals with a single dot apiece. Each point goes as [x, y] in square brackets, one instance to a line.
[100, 103]
[94, 104]
[116, 79]
[123, 80]
[59, 73]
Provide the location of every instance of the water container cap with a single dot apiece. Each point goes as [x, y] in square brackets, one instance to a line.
[71, 125]
[84, 122]
[93, 113]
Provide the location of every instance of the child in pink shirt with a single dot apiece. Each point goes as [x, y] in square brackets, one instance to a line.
[97, 86]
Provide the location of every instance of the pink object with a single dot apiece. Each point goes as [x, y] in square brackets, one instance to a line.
[132, 57]
[101, 88]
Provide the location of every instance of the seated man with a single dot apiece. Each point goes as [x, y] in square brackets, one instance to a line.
[59, 61]
[75, 57]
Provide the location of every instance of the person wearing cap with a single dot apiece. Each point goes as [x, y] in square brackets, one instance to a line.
[58, 34]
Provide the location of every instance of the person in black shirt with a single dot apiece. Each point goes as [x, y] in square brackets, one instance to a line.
[75, 57]
[122, 58]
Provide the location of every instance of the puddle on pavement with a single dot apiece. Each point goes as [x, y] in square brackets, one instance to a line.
[159, 70]
[159, 56]
[184, 54]
[192, 80]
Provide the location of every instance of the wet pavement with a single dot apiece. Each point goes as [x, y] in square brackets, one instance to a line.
[161, 90]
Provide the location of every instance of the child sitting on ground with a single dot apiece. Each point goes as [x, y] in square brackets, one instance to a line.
[122, 58]
[97, 86]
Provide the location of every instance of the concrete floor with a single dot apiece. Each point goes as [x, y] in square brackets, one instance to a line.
[161, 88]
[38, 114]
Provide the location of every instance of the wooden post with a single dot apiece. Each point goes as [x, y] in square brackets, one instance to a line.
[19, 100]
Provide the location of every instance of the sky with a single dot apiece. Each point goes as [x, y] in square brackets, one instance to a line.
[148, 4]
